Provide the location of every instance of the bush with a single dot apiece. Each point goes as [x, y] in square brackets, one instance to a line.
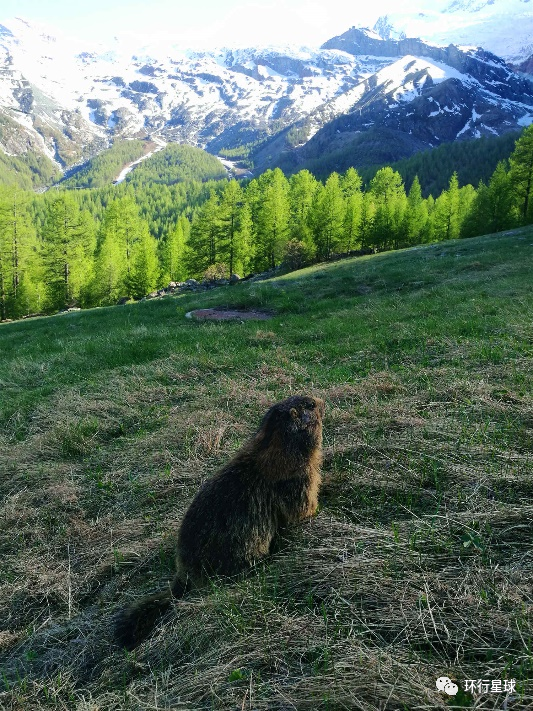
[296, 254]
[216, 271]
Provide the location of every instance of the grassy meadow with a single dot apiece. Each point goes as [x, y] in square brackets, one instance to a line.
[419, 563]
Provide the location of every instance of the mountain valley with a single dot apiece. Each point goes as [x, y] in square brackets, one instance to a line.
[381, 98]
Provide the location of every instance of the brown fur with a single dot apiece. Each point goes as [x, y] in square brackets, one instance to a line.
[271, 482]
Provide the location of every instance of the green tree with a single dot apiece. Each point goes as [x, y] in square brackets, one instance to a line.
[521, 162]
[446, 218]
[366, 227]
[245, 238]
[234, 227]
[328, 217]
[272, 226]
[120, 231]
[110, 269]
[144, 272]
[302, 190]
[428, 234]
[390, 203]
[467, 195]
[502, 206]
[351, 185]
[173, 251]
[67, 252]
[17, 244]
[204, 244]
[416, 215]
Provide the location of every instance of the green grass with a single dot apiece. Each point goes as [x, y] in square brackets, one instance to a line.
[418, 564]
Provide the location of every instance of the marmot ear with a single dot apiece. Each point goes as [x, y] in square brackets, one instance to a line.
[294, 413]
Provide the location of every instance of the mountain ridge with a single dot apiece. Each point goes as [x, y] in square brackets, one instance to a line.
[268, 102]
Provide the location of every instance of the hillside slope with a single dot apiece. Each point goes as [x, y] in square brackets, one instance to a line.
[104, 168]
[426, 96]
[69, 101]
[419, 560]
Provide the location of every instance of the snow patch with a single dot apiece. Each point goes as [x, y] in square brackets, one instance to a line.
[160, 144]
[465, 128]
[525, 120]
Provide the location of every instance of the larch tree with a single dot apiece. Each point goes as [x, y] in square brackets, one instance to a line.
[120, 230]
[302, 191]
[447, 215]
[204, 244]
[502, 210]
[172, 251]
[351, 185]
[328, 217]
[390, 203]
[67, 252]
[416, 215]
[17, 246]
[144, 272]
[245, 240]
[521, 162]
[272, 226]
[234, 240]
[366, 226]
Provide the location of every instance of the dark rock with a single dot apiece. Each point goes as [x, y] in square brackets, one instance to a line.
[526, 66]
[25, 99]
[144, 87]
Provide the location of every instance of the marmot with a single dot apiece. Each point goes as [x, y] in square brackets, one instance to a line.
[272, 481]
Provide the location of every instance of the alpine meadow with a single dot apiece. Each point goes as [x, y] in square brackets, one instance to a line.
[418, 562]
[238, 282]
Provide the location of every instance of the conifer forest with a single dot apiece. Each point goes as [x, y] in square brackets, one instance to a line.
[87, 242]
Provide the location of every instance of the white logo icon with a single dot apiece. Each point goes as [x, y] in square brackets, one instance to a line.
[445, 684]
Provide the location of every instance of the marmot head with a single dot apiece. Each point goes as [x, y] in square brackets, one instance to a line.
[294, 424]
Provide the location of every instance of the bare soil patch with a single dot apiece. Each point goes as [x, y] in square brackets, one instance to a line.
[220, 314]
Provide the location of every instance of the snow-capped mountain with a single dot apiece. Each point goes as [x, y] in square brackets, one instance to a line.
[426, 95]
[503, 27]
[63, 96]
[69, 101]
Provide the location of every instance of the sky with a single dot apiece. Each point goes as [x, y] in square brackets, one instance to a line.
[204, 23]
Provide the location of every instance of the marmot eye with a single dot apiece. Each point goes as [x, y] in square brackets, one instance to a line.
[310, 406]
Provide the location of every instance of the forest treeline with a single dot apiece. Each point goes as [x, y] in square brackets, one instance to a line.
[28, 171]
[95, 247]
[472, 160]
[175, 164]
[106, 166]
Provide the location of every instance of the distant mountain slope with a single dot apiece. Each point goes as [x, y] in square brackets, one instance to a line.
[29, 170]
[176, 164]
[426, 96]
[106, 166]
[287, 105]
[473, 161]
[503, 27]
